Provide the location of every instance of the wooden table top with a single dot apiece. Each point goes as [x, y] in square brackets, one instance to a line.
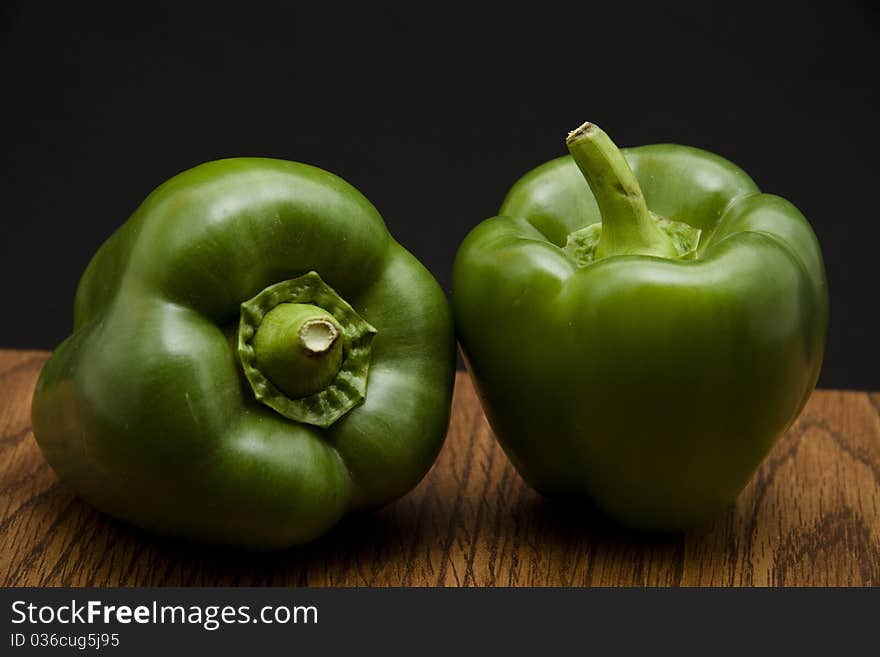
[810, 516]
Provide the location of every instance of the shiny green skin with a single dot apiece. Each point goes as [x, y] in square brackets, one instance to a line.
[143, 410]
[653, 387]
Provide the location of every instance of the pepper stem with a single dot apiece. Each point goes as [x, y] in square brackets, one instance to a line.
[627, 226]
[298, 348]
[318, 336]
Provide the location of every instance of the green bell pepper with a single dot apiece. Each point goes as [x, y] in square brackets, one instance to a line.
[253, 356]
[641, 339]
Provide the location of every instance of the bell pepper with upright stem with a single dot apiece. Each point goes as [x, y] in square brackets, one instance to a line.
[641, 326]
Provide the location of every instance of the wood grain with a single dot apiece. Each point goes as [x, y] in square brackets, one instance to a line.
[810, 516]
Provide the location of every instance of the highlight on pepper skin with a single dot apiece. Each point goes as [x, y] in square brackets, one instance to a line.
[666, 316]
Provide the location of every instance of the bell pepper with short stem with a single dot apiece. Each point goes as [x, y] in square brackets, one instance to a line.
[253, 356]
[641, 326]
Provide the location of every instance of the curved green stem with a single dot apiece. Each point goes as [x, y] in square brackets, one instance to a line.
[298, 347]
[627, 226]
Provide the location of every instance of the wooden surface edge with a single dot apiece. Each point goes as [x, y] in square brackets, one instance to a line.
[810, 516]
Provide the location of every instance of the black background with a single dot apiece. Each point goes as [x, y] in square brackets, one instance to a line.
[432, 112]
